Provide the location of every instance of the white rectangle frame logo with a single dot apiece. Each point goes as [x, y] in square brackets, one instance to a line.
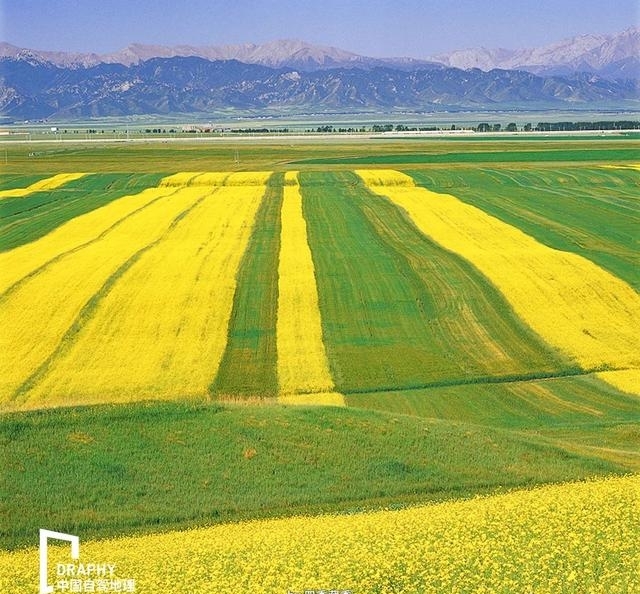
[45, 535]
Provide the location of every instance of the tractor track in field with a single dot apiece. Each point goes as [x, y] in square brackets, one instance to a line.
[484, 380]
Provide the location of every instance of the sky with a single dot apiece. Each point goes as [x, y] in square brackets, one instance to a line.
[377, 28]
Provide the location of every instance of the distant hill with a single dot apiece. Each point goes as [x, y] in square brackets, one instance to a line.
[611, 56]
[587, 71]
[31, 88]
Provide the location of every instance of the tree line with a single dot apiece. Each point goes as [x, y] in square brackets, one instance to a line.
[577, 126]
[561, 126]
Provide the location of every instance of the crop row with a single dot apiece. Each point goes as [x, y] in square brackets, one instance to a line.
[302, 361]
[95, 311]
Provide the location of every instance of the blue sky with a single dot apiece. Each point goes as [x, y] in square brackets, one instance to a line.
[370, 27]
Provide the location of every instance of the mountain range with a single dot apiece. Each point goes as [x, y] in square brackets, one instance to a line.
[610, 56]
[294, 75]
[284, 53]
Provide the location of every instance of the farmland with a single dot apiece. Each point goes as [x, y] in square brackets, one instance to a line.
[492, 542]
[190, 339]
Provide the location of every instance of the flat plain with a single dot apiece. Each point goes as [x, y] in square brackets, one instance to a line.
[195, 334]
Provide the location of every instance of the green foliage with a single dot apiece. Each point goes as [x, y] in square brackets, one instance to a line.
[122, 469]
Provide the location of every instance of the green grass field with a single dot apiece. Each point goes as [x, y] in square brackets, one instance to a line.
[484, 156]
[39, 160]
[146, 467]
[248, 368]
[449, 394]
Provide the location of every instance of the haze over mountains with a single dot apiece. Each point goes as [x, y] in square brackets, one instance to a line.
[294, 75]
[284, 53]
[611, 56]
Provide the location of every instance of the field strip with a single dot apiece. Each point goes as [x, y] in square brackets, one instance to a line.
[27, 260]
[303, 370]
[614, 185]
[160, 330]
[214, 178]
[539, 155]
[41, 186]
[571, 537]
[592, 212]
[37, 314]
[11, 181]
[398, 310]
[24, 220]
[574, 305]
[248, 366]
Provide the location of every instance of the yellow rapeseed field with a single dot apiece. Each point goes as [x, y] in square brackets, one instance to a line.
[161, 331]
[567, 539]
[303, 370]
[74, 330]
[210, 178]
[202, 178]
[627, 380]
[37, 316]
[180, 179]
[50, 183]
[249, 178]
[576, 306]
[23, 261]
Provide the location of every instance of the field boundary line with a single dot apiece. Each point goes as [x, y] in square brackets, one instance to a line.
[484, 380]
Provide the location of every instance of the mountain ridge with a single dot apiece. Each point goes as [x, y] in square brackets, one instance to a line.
[282, 53]
[610, 56]
[31, 88]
